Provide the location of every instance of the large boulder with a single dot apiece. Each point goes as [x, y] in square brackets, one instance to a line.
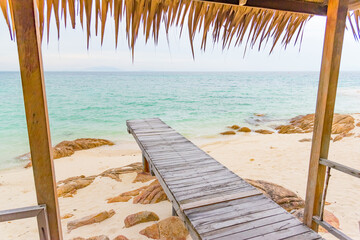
[244, 129]
[234, 127]
[68, 148]
[328, 217]
[342, 123]
[284, 197]
[95, 218]
[153, 193]
[171, 228]
[140, 217]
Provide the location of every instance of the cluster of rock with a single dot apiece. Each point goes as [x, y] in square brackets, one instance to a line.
[237, 128]
[68, 148]
[69, 186]
[342, 125]
[169, 228]
[150, 194]
[290, 201]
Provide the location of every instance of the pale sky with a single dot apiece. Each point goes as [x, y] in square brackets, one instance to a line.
[70, 53]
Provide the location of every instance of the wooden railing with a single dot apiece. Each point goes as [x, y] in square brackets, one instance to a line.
[27, 212]
[319, 219]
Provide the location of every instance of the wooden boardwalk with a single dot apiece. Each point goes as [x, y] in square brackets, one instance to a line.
[213, 202]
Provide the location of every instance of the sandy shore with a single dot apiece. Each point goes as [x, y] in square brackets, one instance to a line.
[277, 158]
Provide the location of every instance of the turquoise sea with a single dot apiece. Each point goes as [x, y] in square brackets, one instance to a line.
[96, 104]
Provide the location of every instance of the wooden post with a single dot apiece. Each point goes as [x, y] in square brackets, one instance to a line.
[32, 76]
[334, 35]
[146, 166]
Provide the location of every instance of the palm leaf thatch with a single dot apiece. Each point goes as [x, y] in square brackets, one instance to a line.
[228, 24]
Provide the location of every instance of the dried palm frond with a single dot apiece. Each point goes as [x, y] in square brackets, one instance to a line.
[227, 23]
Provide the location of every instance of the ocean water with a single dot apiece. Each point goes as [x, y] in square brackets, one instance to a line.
[97, 104]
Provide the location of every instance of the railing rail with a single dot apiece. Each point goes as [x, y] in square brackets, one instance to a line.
[337, 233]
[319, 219]
[340, 167]
[27, 212]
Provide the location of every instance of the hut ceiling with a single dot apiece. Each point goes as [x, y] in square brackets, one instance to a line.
[252, 22]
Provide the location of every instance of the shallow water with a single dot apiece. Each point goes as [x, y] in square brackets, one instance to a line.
[95, 104]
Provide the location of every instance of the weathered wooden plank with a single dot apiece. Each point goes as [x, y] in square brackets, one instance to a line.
[32, 76]
[283, 233]
[334, 36]
[167, 173]
[246, 226]
[204, 173]
[210, 191]
[206, 213]
[263, 230]
[306, 7]
[290, 6]
[191, 172]
[252, 215]
[305, 236]
[219, 199]
[197, 186]
[193, 213]
[190, 181]
[177, 162]
[236, 212]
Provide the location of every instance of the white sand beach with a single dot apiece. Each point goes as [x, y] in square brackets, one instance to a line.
[277, 158]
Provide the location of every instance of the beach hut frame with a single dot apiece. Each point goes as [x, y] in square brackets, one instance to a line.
[31, 67]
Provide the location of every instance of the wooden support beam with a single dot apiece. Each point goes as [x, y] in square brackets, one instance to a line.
[354, 5]
[32, 76]
[284, 5]
[146, 166]
[334, 35]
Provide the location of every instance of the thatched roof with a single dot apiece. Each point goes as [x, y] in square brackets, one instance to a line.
[228, 24]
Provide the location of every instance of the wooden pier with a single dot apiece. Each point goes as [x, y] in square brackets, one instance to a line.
[213, 202]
